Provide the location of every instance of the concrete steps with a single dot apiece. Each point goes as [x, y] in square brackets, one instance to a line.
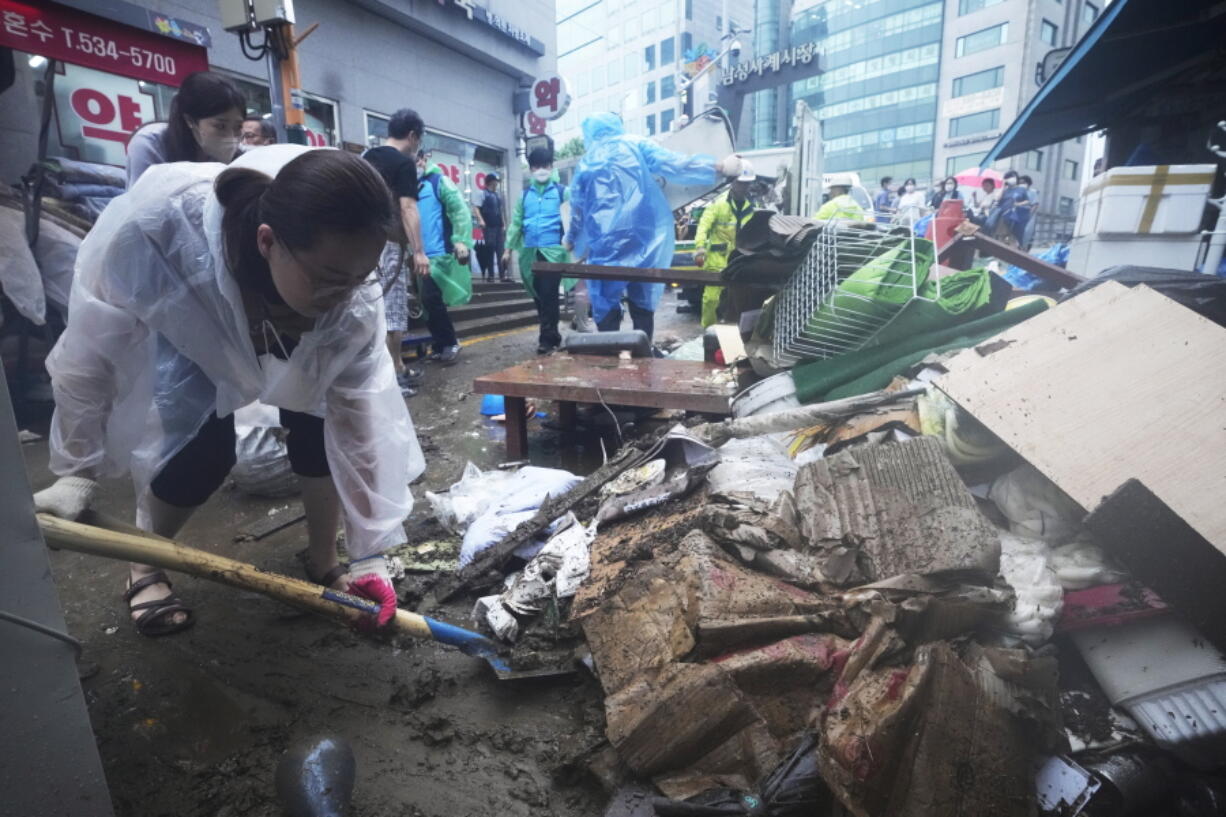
[496, 306]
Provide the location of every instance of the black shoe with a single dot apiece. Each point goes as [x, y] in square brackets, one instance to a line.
[546, 349]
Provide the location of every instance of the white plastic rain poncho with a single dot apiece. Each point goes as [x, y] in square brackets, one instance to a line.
[619, 215]
[157, 340]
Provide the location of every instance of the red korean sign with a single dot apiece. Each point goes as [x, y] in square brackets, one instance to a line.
[61, 33]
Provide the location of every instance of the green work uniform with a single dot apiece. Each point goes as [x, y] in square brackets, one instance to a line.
[553, 253]
[717, 232]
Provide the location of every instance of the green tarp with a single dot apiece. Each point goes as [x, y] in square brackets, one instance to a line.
[870, 369]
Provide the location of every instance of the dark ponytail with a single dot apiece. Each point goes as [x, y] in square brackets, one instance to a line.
[202, 94]
[321, 191]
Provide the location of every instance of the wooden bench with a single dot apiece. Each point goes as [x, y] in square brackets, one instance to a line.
[648, 382]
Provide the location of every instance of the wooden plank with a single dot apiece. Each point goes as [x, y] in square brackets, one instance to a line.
[652, 275]
[653, 383]
[1166, 554]
[1112, 385]
[1050, 273]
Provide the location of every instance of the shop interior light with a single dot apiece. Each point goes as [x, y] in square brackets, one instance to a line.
[36, 61]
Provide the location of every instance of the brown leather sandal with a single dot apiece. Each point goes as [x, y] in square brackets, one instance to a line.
[153, 622]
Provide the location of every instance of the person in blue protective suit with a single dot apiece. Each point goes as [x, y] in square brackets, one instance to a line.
[620, 217]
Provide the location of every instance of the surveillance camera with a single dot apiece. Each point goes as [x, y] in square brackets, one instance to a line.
[735, 50]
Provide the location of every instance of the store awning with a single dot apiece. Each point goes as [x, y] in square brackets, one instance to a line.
[1122, 62]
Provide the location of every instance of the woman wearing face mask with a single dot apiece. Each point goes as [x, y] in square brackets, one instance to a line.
[203, 289]
[910, 204]
[206, 121]
[1007, 222]
[947, 189]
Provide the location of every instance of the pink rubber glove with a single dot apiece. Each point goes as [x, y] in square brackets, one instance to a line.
[369, 579]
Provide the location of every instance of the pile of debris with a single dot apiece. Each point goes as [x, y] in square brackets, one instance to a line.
[989, 588]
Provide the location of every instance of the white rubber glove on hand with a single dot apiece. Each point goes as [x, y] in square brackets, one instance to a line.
[67, 498]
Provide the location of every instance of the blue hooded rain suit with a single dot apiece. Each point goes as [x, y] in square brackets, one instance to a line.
[619, 215]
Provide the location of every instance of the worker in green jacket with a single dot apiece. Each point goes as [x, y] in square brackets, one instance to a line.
[840, 204]
[536, 234]
[446, 234]
[718, 229]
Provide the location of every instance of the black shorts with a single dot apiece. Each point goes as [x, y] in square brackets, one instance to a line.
[192, 475]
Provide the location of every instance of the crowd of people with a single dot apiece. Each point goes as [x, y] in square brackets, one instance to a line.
[235, 270]
[1005, 212]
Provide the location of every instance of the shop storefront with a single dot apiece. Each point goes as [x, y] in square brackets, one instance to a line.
[466, 163]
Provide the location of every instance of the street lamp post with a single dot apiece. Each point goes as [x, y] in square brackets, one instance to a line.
[684, 84]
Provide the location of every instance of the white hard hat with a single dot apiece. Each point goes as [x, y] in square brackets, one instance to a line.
[839, 180]
[746, 174]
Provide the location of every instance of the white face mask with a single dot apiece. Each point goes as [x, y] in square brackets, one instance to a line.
[910, 187]
[217, 148]
[542, 174]
[1010, 181]
[950, 187]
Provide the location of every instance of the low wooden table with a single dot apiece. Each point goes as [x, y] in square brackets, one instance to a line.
[648, 275]
[569, 379]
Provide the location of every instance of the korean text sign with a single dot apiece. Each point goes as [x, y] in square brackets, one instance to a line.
[60, 33]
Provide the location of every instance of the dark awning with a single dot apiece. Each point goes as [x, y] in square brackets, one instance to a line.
[1121, 63]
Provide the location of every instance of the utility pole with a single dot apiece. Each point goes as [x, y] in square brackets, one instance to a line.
[275, 19]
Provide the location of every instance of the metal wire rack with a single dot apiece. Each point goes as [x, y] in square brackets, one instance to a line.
[854, 280]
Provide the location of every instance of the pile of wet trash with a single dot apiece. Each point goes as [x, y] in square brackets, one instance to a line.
[986, 588]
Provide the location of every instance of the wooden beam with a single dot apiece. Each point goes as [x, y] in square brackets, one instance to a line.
[652, 275]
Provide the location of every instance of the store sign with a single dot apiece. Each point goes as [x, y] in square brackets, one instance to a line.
[500, 24]
[97, 112]
[534, 125]
[789, 57]
[550, 97]
[973, 103]
[65, 34]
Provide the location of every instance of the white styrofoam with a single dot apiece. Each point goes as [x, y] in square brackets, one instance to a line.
[1091, 254]
[1168, 678]
[1115, 202]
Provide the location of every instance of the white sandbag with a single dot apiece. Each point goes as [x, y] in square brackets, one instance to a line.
[464, 501]
[1034, 505]
[262, 465]
[517, 500]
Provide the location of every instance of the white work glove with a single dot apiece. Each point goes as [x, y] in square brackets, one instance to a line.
[67, 498]
[730, 165]
[370, 579]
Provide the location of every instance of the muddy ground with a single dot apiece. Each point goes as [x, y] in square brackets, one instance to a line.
[194, 724]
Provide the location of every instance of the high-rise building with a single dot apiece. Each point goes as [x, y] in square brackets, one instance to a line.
[922, 88]
[625, 56]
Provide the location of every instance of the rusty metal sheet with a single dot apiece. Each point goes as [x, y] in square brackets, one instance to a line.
[666, 384]
[651, 275]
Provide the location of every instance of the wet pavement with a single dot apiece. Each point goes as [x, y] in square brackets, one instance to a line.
[195, 723]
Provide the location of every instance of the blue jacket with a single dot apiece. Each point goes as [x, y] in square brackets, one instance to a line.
[543, 214]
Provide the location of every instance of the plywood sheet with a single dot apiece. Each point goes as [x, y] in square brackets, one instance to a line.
[1112, 385]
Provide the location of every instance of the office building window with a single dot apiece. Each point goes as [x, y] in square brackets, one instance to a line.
[597, 77]
[651, 124]
[649, 56]
[1066, 206]
[1070, 170]
[719, 23]
[979, 81]
[1034, 160]
[668, 87]
[615, 72]
[630, 65]
[667, 52]
[956, 164]
[689, 9]
[967, 6]
[982, 40]
[666, 120]
[1049, 33]
[649, 93]
[1089, 13]
[687, 41]
[974, 123]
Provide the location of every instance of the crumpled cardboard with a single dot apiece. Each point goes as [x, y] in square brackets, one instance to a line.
[902, 506]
